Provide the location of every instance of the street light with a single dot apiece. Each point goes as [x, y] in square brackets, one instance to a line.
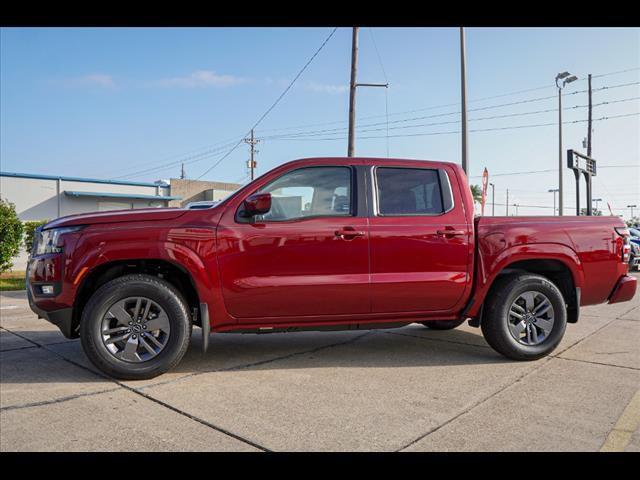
[554, 191]
[561, 80]
[632, 207]
[493, 199]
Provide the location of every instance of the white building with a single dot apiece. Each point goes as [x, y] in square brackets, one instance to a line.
[45, 197]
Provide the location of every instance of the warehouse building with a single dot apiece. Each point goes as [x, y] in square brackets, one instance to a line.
[46, 197]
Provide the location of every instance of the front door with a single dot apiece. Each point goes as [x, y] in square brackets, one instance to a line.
[420, 241]
[307, 257]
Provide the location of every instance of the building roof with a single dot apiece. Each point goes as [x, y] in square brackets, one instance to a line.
[81, 179]
[74, 193]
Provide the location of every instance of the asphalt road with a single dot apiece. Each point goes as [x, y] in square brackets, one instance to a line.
[409, 389]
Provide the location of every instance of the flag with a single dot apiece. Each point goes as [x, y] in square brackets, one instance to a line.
[485, 182]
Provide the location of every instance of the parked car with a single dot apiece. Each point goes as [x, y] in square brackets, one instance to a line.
[634, 261]
[316, 244]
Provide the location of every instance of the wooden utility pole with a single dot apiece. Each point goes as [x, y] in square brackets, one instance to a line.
[251, 163]
[183, 175]
[352, 92]
[589, 121]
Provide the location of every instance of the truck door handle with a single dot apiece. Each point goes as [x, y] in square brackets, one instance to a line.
[349, 233]
[450, 233]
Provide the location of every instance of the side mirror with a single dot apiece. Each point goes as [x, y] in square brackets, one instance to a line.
[256, 204]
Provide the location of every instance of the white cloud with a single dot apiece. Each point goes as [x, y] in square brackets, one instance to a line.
[326, 88]
[201, 78]
[91, 80]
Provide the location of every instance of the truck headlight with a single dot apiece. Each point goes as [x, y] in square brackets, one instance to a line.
[49, 241]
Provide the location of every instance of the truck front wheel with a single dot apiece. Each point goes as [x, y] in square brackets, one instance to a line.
[525, 316]
[135, 327]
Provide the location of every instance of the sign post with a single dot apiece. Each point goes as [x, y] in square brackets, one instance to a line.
[586, 165]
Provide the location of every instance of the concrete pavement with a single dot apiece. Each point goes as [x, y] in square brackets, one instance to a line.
[384, 390]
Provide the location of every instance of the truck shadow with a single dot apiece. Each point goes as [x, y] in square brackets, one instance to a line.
[412, 346]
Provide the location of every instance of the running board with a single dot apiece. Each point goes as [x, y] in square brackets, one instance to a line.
[206, 328]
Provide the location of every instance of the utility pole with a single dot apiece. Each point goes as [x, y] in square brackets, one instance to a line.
[463, 94]
[352, 92]
[183, 175]
[516, 205]
[589, 121]
[251, 141]
[507, 202]
[493, 199]
[632, 207]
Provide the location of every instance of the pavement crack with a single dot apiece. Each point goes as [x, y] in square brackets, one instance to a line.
[259, 363]
[598, 363]
[137, 392]
[57, 400]
[544, 361]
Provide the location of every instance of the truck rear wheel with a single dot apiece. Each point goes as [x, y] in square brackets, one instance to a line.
[135, 327]
[443, 324]
[524, 317]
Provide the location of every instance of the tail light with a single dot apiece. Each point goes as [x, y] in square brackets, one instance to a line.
[623, 244]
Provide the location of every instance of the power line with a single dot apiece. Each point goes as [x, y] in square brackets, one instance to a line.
[433, 107]
[272, 106]
[493, 117]
[457, 131]
[488, 107]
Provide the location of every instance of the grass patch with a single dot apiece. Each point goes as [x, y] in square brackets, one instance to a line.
[12, 281]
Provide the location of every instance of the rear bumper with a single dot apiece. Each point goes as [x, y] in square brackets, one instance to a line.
[624, 290]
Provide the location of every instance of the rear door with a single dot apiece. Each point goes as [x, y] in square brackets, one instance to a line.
[420, 240]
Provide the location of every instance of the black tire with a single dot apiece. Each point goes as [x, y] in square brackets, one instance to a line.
[443, 324]
[159, 291]
[496, 316]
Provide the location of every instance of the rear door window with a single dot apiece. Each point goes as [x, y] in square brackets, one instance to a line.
[408, 191]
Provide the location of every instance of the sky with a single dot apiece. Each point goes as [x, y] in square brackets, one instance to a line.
[136, 103]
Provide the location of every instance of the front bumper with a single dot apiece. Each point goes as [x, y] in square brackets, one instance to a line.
[61, 318]
[624, 290]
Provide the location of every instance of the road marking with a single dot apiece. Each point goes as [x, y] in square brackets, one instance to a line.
[9, 307]
[628, 422]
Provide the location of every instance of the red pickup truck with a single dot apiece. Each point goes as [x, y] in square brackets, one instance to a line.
[316, 244]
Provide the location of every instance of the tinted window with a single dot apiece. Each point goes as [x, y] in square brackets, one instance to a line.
[408, 191]
[309, 192]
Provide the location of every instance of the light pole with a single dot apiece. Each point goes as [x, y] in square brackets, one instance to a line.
[493, 199]
[566, 77]
[516, 205]
[554, 191]
[632, 207]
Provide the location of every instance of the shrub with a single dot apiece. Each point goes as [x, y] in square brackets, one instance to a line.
[10, 234]
[29, 231]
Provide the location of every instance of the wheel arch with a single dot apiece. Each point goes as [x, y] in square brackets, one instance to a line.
[558, 263]
[172, 272]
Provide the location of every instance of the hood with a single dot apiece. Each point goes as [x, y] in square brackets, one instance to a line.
[117, 216]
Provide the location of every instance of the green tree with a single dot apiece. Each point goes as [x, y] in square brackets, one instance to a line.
[29, 231]
[10, 234]
[476, 192]
[596, 212]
